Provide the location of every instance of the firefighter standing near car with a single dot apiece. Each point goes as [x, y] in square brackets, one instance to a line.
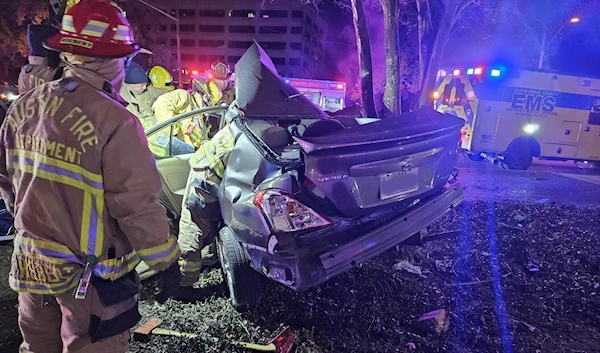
[161, 78]
[140, 95]
[77, 175]
[43, 65]
[200, 213]
[179, 101]
[220, 84]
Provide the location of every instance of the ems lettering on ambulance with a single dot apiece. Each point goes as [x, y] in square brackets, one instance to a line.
[533, 103]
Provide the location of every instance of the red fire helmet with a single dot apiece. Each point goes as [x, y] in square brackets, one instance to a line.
[96, 28]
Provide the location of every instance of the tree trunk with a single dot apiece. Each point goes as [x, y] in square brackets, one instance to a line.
[452, 11]
[363, 44]
[420, 32]
[437, 51]
[391, 21]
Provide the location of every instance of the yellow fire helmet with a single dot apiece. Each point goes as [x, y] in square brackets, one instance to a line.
[160, 77]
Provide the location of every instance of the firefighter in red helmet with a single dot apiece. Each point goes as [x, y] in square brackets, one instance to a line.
[81, 183]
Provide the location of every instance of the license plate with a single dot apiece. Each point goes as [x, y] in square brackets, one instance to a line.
[398, 183]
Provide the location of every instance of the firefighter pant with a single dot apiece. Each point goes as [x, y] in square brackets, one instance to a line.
[60, 323]
[195, 231]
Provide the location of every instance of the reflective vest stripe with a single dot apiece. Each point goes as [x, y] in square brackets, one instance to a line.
[214, 162]
[115, 268]
[163, 253]
[60, 175]
[97, 223]
[86, 214]
[59, 254]
[213, 154]
[189, 266]
[92, 237]
[61, 164]
[51, 249]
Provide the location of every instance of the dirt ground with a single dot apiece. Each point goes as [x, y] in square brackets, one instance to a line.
[519, 278]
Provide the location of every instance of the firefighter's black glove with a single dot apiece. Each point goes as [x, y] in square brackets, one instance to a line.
[169, 281]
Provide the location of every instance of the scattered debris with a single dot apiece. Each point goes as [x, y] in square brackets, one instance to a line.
[504, 225]
[531, 267]
[444, 265]
[544, 201]
[519, 218]
[336, 316]
[436, 320]
[405, 265]
[411, 346]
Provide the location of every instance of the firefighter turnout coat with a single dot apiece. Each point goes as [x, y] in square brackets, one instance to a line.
[36, 73]
[178, 102]
[76, 172]
[141, 104]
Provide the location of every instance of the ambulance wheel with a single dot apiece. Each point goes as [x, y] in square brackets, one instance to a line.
[518, 156]
[244, 284]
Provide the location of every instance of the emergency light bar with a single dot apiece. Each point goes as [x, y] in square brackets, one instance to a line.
[469, 72]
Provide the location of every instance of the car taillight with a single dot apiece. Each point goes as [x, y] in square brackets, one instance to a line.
[286, 214]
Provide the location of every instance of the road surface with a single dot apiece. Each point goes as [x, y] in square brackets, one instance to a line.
[543, 182]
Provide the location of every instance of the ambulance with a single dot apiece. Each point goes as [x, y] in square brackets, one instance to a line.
[514, 115]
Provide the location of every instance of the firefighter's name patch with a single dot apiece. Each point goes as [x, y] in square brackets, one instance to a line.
[30, 269]
[77, 42]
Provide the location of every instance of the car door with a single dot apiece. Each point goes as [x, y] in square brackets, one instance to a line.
[173, 163]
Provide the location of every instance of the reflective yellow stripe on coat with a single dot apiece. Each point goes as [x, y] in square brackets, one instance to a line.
[92, 226]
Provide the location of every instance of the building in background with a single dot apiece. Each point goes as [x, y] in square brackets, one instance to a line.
[290, 32]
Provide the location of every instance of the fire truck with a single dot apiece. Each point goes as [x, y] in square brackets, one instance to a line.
[328, 95]
[514, 115]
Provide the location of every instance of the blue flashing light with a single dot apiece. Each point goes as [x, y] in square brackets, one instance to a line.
[470, 71]
[287, 81]
[495, 73]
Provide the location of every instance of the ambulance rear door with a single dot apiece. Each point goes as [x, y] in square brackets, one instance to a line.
[589, 142]
[485, 124]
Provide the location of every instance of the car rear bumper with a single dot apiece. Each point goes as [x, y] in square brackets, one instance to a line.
[349, 255]
[302, 272]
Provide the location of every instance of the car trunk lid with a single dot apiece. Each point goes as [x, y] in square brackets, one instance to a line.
[365, 167]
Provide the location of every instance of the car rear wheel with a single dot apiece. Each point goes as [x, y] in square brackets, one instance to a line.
[518, 156]
[244, 284]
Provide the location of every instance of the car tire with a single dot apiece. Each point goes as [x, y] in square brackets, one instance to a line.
[518, 156]
[596, 164]
[244, 283]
